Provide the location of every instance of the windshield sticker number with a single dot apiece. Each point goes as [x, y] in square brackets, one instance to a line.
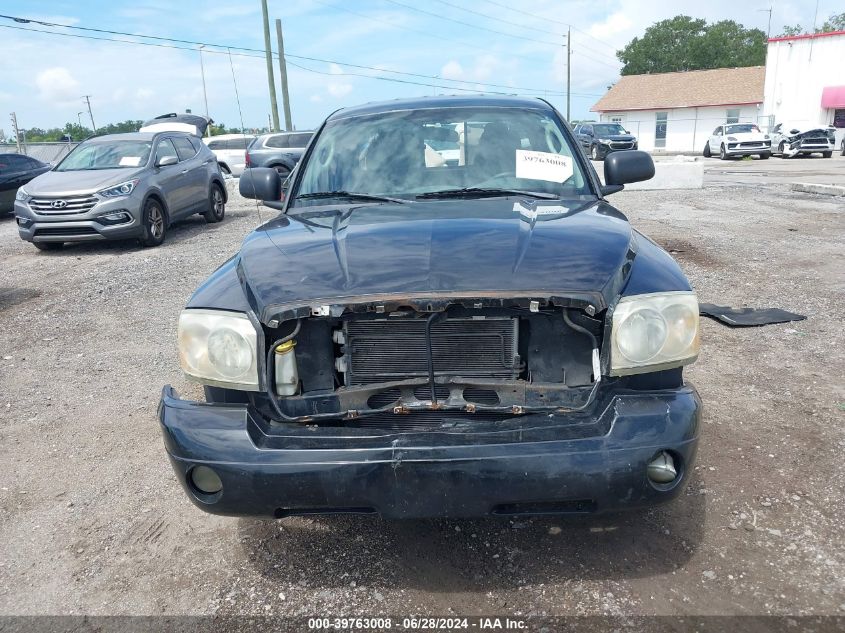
[543, 166]
[130, 161]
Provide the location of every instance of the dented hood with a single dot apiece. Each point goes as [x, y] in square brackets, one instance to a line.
[323, 255]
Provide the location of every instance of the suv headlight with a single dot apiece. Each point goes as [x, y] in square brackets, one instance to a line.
[21, 195]
[123, 189]
[219, 348]
[606, 141]
[653, 332]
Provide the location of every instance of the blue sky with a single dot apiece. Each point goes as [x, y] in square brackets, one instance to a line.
[468, 44]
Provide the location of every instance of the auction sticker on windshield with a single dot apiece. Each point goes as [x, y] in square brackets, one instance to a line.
[543, 166]
[130, 161]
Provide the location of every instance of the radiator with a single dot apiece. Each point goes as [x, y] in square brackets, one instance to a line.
[383, 350]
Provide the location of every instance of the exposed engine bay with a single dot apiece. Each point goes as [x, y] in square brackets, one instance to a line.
[428, 366]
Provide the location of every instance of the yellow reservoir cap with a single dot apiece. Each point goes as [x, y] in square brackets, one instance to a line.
[285, 347]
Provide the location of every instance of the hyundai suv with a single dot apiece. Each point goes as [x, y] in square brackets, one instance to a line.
[122, 186]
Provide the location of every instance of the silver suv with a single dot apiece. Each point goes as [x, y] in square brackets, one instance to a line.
[122, 186]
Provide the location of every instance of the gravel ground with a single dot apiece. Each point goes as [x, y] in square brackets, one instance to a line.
[94, 522]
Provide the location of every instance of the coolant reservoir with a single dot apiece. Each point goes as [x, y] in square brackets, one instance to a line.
[287, 376]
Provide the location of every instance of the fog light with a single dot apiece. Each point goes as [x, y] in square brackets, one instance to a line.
[114, 218]
[206, 480]
[23, 222]
[661, 469]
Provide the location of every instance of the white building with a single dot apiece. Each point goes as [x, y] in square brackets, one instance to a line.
[677, 112]
[805, 81]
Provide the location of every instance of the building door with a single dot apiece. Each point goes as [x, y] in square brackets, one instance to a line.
[660, 119]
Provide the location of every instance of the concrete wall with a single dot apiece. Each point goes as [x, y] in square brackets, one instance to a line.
[797, 70]
[687, 129]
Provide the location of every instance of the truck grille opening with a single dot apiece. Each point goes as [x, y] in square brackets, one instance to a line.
[383, 350]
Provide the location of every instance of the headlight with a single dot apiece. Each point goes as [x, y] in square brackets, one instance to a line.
[123, 189]
[219, 348]
[604, 140]
[21, 195]
[653, 332]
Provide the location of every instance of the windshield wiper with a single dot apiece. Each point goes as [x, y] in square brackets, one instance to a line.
[349, 195]
[479, 192]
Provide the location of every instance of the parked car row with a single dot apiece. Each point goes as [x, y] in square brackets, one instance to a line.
[746, 139]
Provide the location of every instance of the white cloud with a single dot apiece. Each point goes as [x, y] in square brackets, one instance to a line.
[57, 84]
[452, 70]
[615, 23]
[316, 98]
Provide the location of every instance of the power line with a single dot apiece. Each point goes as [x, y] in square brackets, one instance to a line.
[473, 26]
[371, 18]
[483, 28]
[544, 18]
[258, 55]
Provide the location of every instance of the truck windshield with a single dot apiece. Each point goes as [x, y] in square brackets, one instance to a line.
[411, 153]
[107, 155]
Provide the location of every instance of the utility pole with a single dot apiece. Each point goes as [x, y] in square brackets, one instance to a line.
[204, 93]
[79, 118]
[274, 108]
[568, 66]
[88, 101]
[283, 71]
[17, 131]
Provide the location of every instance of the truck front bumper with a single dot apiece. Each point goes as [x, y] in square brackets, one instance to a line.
[586, 462]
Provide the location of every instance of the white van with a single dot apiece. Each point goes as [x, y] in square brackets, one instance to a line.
[230, 150]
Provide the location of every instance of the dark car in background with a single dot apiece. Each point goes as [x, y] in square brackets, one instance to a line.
[15, 171]
[281, 151]
[599, 139]
[122, 186]
[415, 338]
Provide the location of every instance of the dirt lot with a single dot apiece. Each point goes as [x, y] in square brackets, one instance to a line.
[93, 520]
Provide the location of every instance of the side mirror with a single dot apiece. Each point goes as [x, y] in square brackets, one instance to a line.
[164, 161]
[621, 168]
[261, 183]
[794, 131]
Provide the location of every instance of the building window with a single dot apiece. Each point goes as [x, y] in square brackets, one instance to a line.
[839, 117]
[660, 120]
[732, 116]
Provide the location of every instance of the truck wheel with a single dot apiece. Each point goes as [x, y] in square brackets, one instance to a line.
[154, 224]
[594, 153]
[827, 154]
[765, 155]
[283, 171]
[723, 154]
[49, 246]
[216, 205]
[706, 151]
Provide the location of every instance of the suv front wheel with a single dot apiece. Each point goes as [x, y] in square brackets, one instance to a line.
[154, 223]
[216, 205]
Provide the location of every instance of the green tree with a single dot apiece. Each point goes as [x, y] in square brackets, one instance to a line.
[835, 22]
[685, 43]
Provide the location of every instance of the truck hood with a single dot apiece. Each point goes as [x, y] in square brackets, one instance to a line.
[329, 255]
[69, 183]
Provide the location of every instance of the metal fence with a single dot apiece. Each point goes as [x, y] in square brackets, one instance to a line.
[45, 152]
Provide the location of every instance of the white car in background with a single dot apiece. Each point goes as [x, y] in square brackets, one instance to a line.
[738, 139]
[230, 150]
[790, 140]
